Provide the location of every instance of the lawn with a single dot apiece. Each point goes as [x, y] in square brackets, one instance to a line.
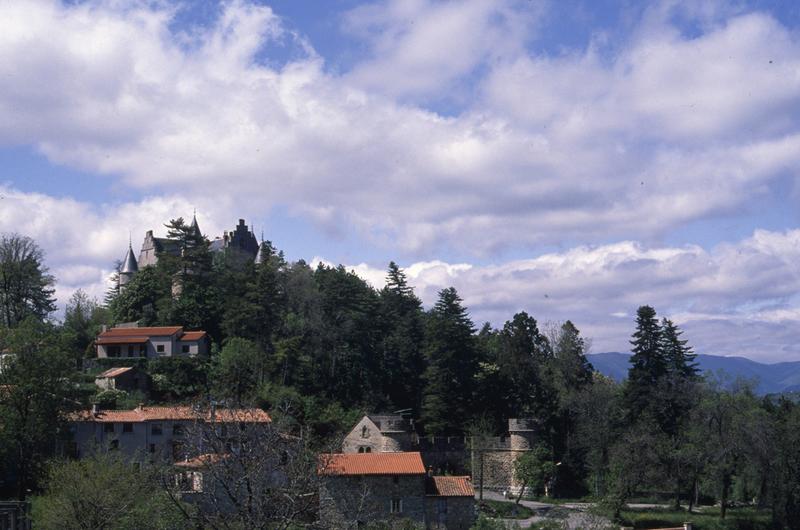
[708, 519]
[505, 510]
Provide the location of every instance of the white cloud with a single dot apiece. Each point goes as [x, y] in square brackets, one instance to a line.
[578, 146]
[736, 299]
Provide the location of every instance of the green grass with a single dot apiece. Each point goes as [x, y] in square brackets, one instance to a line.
[505, 510]
[708, 519]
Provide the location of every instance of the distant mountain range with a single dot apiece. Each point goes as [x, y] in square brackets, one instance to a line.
[771, 378]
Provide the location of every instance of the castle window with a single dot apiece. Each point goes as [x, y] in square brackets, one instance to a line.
[396, 506]
[368, 449]
[364, 432]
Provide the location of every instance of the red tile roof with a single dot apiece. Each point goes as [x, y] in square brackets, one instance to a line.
[140, 414]
[121, 340]
[371, 464]
[201, 460]
[142, 332]
[450, 487]
[193, 335]
[114, 372]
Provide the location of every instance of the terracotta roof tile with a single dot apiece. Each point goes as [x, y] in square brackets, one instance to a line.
[114, 372]
[449, 487]
[121, 340]
[371, 464]
[201, 460]
[193, 335]
[141, 332]
[141, 414]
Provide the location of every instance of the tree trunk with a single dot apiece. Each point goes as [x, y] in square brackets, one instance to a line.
[521, 491]
[726, 484]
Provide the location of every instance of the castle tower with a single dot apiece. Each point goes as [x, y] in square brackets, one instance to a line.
[128, 269]
[396, 433]
[521, 432]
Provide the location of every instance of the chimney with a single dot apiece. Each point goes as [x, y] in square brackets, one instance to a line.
[140, 406]
[103, 328]
[430, 471]
[95, 409]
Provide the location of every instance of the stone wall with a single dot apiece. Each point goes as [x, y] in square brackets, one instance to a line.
[345, 501]
[450, 513]
[498, 469]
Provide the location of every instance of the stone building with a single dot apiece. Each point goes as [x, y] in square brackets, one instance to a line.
[493, 457]
[379, 433]
[127, 378]
[165, 341]
[449, 503]
[149, 433]
[360, 488]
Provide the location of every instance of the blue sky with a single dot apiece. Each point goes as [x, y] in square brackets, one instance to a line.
[571, 159]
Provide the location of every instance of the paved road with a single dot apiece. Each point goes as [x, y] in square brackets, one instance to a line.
[575, 514]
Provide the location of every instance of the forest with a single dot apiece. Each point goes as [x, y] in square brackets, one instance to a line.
[318, 347]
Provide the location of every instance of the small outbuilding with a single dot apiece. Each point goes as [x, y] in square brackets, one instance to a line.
[127, 378]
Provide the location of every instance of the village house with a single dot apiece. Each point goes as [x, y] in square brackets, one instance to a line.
[449, 503]
[150, 433]
[126, 378]
[167, 341]
[362, 488]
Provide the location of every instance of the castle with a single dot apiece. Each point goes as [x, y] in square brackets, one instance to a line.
[241, 241]
[489, 459]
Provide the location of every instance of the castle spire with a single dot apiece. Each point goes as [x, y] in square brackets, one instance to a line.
[194, 226]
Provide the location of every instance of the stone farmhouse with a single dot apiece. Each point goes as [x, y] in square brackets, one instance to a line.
[127, 378]
[360, 488]
[489, 460]
[147, 434]
[150, 342]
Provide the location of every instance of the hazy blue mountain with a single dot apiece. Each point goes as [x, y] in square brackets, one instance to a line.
[772, 378]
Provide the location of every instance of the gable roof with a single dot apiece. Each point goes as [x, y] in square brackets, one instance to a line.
[371, 464]
[193, 335]
[141, 414]
[449, 487]
[114, 372]
[163, 331]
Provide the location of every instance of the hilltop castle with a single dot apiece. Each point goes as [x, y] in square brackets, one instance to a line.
[241, 241]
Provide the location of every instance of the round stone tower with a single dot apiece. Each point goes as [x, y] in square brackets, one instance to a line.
[128, 269]
[396, 434]
[521, 433]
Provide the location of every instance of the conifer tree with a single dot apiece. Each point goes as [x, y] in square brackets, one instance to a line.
[401, 346]
[679, 357]
[648, 365]
[452, 359]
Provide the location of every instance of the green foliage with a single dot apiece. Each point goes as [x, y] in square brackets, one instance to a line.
[178, 378]
[485, 523]
[535, 469]
[104, 491]
[26, 288]
[38, 385]
[504, 510]
[83, 320]
[452, 357]
[240, 368]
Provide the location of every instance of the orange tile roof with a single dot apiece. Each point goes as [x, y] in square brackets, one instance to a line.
[201, 460]
[450, 487]
[140, 414]
[121, 340]
[193, 335]
[371, 464]
[141, 332]
[114, 372]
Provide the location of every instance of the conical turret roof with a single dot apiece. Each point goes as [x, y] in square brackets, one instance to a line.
[129, 266]
[194, 226]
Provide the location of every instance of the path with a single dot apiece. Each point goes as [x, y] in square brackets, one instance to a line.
[575, 513]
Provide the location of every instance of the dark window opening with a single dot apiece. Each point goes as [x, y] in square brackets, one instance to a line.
[160, 348]
[155, 430]
[185, 348]
[127, 428]
[108, 427]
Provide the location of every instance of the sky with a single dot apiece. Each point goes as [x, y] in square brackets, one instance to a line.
[573, 159]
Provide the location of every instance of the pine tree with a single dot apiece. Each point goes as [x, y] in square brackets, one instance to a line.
[452, 358]
[26, 288]
[648, 365]
[677, 355]
[401, 346]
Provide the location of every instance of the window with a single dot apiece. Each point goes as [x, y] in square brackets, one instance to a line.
[364, 432]
[368, 449]
[130, 350]
[160, 348]
[108, 427]
[142, 350]
[112, 351]
[155, 429]
[185, 348]
[127, 428]
[177, 429]
[396, 506]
